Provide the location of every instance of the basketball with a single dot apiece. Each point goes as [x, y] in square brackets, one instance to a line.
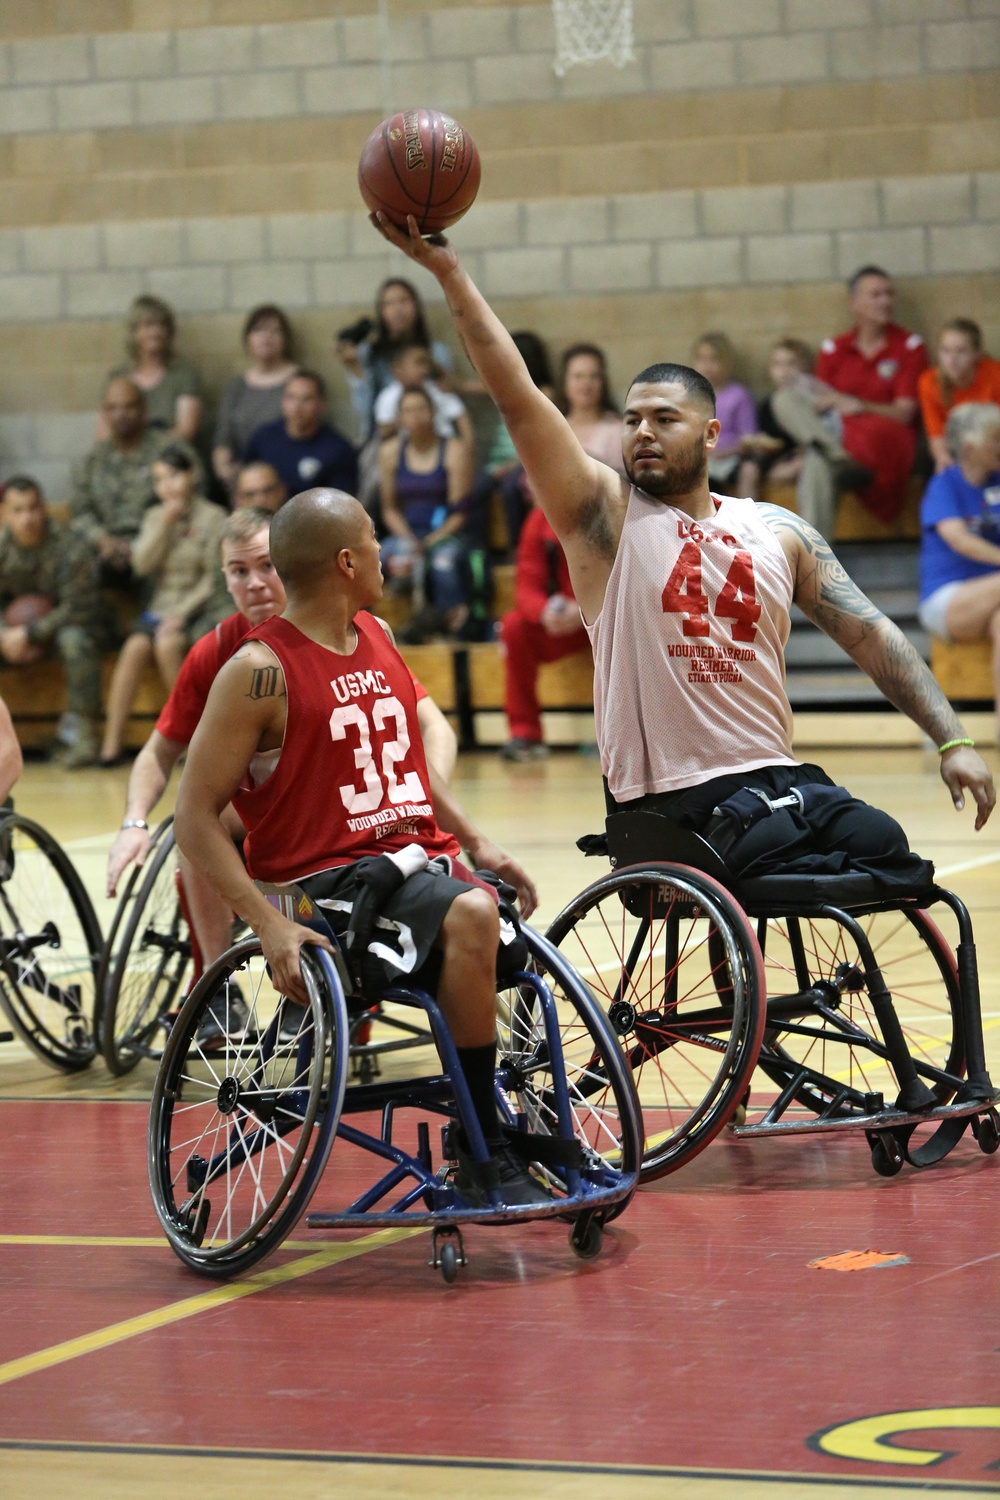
[423, 163]
[27, 609]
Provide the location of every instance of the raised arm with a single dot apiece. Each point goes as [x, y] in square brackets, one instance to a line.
[831, 599]
[578, 494]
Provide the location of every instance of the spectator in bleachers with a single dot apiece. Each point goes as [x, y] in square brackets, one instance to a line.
[259, 487]
[502, 472]
[177, 550]
[873, 370]
[170, 385]
[39, 556]
[253, 399]
[962, 373]
[584, 397]
[302, 447]
[960, 544]
[423, 477]
[797, 415]
[366, 349]
[113, 486]
[413, 366]
[544, 625]
[732, 470]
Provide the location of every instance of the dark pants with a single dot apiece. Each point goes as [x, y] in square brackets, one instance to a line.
[835, 839]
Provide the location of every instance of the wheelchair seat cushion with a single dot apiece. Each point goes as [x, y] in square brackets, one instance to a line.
[775, 895]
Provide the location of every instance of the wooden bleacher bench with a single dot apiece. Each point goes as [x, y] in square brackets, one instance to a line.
[565, 684]
[963, 671]
[36, 697]
[856, 524]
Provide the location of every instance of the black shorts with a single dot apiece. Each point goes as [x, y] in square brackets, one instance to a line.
[405, 934]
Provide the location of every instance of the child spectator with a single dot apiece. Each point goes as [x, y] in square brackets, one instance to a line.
[367, 348]
[170, 385]
[412, 366]
[40, 557]
[797, 415]
[962, 373]
[544, 625]
[730, 469]
[424, 476]
[254, 398]
[177, 549]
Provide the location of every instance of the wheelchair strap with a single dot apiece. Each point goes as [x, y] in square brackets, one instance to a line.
[547, 1150]
[378, 878]
[739, 813]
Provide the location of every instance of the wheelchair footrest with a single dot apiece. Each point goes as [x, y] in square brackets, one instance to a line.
[883, 1119]
[590, 1199]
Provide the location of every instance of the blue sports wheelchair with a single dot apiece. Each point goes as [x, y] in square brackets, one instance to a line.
[239, 1138]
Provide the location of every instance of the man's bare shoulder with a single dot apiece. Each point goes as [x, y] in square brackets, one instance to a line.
[252, 672]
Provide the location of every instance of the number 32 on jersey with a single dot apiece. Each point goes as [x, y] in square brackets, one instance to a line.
[684, 594]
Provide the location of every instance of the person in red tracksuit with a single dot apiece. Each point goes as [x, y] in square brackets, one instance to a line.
[545, 625]
[874, 369]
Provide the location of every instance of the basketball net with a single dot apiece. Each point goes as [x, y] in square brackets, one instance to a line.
[589, 31]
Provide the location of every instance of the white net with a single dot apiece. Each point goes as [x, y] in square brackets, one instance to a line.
[589, 31]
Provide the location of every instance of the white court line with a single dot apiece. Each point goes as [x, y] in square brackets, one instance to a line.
[970, 864]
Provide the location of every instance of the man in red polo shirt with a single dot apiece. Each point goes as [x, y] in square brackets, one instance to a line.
[874, 369]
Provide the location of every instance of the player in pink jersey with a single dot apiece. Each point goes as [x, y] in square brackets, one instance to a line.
[311, 731]
[686, 597]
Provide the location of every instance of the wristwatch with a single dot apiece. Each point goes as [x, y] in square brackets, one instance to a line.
[136, 823]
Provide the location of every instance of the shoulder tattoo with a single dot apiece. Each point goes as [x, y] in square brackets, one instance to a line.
[266, 682]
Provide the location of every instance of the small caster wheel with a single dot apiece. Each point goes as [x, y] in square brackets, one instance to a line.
[987, 1131]
[449, 1262]
[195, 1221]
[448, 1253]
[887, 1159]
[586, 1237]
[739, 1115]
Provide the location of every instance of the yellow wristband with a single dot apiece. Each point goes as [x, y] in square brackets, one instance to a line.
[954, 744]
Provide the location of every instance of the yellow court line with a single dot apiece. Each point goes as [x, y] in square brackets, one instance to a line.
[174, 1312]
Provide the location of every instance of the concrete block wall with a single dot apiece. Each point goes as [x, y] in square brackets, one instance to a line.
[753, 153]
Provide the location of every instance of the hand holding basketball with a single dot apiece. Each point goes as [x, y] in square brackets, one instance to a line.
[435, 255]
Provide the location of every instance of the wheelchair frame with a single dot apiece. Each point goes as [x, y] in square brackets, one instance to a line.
[591, 1188]
[928, 1094]
[179, 966]
[28, 993]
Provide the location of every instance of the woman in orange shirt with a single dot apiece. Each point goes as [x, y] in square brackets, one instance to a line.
[962, 373]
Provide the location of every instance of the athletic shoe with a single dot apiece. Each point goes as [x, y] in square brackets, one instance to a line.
[292, 1016]
[505, 1172]
[224, 1020]
[523, 750]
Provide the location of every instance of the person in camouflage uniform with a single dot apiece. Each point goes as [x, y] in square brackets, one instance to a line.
[113, 487]
[38, 556]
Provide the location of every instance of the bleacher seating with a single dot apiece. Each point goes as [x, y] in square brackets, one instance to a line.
[964, 672]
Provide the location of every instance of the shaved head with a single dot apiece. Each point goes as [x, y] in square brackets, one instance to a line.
[309, 532]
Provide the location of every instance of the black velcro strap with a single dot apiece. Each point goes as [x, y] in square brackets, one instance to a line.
[547, 1150]
[593, 843]
[378, 878]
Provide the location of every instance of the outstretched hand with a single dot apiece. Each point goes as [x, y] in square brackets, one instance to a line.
[963, 770]
[486, 855]
[434, 254]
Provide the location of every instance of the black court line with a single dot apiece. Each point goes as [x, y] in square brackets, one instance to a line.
[500, 1465]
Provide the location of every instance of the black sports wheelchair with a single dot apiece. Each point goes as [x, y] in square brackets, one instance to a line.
[152, 960]
[50, 946]
[239, 1139]
[780, 1005]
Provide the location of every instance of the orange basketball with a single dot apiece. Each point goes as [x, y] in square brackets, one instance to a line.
[27, 609]
[423, 163]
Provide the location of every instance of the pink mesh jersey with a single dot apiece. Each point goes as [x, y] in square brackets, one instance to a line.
[689, 666]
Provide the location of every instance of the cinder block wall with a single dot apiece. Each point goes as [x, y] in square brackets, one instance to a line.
[751, 156]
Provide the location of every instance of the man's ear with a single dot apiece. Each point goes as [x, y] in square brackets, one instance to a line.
[712, 430]
[345, 562]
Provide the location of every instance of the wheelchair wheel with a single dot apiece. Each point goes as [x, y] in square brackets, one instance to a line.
[842, 1047]
[238, 1137]
[146, 977]
[50, 946]
[674, 964]
[602, 1097]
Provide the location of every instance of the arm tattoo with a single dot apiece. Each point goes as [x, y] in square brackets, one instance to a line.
[266, 682]
[832, 600]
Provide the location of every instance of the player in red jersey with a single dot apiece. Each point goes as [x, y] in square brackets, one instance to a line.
[686, 597]
[311, 732]
[258, 594]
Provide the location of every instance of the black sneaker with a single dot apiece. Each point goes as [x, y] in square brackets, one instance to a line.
[292, 1016]
[225, 1019]
[520, 751]
[505, 1172]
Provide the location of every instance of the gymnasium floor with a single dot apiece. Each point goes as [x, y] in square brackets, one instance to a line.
[701, 1355]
